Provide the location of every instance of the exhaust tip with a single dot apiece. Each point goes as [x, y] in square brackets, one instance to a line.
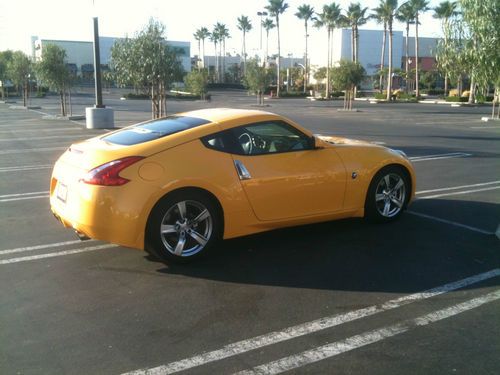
[81, 236]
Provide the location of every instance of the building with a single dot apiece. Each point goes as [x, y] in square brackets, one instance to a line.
[370, 51]
[80, 54]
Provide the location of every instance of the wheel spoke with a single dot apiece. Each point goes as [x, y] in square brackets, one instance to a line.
[180, 245]
[387, 180]
[398, 185]
[166, 228]
[387, 208]
[379, 197]
[181, 206]
[204, 215]
[198, 237]
[397, 202]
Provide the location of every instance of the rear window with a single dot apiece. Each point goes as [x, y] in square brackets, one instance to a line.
[152, 130]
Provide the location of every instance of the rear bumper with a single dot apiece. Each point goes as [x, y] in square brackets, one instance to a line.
[99, 213]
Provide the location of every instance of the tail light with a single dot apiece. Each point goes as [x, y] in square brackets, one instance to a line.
[109, 174]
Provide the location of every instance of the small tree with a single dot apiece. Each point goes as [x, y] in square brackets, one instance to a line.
[257, 79]
[19, 70]
[346, 76]
[54, 73]
[148, 63]
[5, 59]
[196, 82]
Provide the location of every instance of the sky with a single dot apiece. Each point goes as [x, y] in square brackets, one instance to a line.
[72, 20]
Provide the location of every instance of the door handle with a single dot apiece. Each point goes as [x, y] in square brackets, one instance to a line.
[243, 173]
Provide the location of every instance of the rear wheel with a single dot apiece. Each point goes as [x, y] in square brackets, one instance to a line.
[183, 226]
[388, 194]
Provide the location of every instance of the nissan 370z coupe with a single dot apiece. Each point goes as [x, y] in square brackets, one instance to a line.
[175, 185]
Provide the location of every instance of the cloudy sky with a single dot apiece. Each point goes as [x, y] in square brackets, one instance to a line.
[71, 20]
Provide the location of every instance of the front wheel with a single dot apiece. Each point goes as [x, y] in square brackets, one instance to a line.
[388, 195]
[183, 227]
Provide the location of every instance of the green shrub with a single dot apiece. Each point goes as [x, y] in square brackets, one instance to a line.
[379, 95]
[132, 95]
[294, 94]
[457, 99]
[336, 94]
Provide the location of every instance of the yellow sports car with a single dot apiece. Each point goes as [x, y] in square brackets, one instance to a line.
[175, 185]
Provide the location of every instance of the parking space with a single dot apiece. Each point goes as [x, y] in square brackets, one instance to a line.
[420, 295]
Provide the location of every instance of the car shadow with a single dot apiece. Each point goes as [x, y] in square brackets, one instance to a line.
[352, 255]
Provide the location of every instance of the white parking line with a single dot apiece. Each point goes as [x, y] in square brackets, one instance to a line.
[56, 254]
[25, 168]
[24, 196]
[450, 155]
[39, 247]
[15, 131]
[309, 327]
[38, 138]
[459, 192]
[458, 187]
[454, 223]
[23, 150]
[358, 341]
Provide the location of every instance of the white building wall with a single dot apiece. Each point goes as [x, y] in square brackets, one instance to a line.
[370, 48]
[82, 52]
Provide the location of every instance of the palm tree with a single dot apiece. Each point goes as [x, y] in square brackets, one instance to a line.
[380, 17]
[445, 11]
[388, 11]
[406, 15]
[276, 8]
[330, 18]
[222, 34]
[268, 24]
[197, 37]
[305, 12]
[204, 34]
[355, 17]
[418, 6]
[245, 26]
[215, 38]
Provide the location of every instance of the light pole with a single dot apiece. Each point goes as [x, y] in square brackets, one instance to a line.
[98, 117]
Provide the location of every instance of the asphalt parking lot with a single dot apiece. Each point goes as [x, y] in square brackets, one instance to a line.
[419, 296]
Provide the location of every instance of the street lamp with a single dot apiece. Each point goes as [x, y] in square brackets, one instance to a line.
[98, 117]
[261, 14]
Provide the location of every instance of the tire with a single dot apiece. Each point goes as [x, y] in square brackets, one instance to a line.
[387, 195]
[183, 226]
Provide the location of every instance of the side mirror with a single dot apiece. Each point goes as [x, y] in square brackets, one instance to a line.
[316, 143]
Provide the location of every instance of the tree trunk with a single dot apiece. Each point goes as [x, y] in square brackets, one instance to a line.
[445, 85]
[356, 51]
[244, 54]
[61, 98]
[327, 85]
[382, 61]
[417, 68]
[279, 57]
[389, 73]
[472, 89]
[305, 63]
[407, 55]
[353, 48]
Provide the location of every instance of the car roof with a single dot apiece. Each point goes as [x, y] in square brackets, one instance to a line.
[219, 115]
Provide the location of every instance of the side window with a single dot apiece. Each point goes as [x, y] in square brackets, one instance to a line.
[222, 141]
[269, 138]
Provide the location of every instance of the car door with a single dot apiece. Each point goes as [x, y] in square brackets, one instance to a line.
[283, 175]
